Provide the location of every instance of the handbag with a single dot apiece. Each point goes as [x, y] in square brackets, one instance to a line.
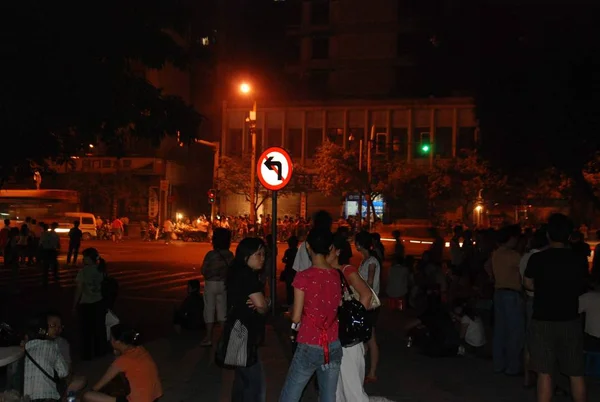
[375, 302]
[61, 383]
[354, 323]
[235, 347]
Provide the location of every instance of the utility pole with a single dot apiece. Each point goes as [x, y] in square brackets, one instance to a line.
[252, 125]
[216, 146]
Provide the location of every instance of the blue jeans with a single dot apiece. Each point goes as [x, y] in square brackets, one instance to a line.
[307, 360]
[509, 331]
[249, 384]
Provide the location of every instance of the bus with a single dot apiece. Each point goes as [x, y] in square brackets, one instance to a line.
[16, 205]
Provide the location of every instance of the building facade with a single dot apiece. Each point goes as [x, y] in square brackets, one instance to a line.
[400, 129]
[354, 48]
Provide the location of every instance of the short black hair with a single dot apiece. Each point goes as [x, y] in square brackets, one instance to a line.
[559, 228]
[322, 220]
[221, 239]
[128, 336]
[320, 240]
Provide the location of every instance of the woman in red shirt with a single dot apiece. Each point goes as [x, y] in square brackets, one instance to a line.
[317, 296]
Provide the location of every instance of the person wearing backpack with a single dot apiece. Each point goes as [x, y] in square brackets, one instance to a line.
[89, 305]
[214, 268]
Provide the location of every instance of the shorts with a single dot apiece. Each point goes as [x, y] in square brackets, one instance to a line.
[374, 315]
[215, 300]
[556, 342]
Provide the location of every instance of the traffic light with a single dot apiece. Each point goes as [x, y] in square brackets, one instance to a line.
[212, 196]
[425, 143]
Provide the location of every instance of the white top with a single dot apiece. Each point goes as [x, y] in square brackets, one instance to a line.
[10, 355]
[589, 303]
[36, 384]
[475, 335]
[523, 266]
[302, 260]
[363, 270]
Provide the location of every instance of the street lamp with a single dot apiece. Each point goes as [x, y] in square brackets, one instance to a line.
[246, 89]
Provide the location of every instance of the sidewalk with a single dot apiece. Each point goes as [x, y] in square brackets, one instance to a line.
[188, 372]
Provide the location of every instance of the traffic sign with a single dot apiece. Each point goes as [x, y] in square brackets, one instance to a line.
[274, 168]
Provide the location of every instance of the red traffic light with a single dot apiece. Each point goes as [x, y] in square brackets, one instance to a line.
[212, 193]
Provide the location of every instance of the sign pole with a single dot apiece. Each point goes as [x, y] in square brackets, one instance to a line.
[274, 253]
[274, 171]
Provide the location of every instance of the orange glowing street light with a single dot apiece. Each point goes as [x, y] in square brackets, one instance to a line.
[245, 88]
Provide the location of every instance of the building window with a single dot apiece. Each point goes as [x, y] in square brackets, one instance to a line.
[86, 163]
[354, 137]
[466, 139]
[319, 12]
[314, 139]
[106, 163]
[318, 82]
[320, 48]
[234, 142]
[421, 143]
[259, 141]
[336, 136]
[443, 142]
[273, 137]
[381, 143]
[127, 163]
[96, 164]
[293, 142]
[399, 142]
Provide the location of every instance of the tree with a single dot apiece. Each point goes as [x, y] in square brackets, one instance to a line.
[234, 178]
[338, 174]
[106, 189]
[459, 182]
[72, 77]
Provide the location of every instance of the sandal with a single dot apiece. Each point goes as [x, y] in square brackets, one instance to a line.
[206, 343]
[370, 379]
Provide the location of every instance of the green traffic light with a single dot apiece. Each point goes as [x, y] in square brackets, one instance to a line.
[425, 148]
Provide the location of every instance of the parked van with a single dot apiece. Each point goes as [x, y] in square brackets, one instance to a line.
[87, 223]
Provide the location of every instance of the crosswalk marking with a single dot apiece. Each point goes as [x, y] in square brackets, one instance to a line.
[131, 281]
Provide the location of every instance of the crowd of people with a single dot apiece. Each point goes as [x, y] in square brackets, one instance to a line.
[527, 287]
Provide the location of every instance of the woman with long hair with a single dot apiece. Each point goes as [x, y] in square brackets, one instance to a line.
[317, 295]
[370, 271]
[246, 301]
[214, 268]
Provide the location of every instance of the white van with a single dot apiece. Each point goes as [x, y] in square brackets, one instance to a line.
[87, 223]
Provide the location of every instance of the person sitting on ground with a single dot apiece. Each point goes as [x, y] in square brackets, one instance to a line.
[55, 328]
[471, 329]
[135, 364]
[190, 315]
[42, 360]
[399, 279]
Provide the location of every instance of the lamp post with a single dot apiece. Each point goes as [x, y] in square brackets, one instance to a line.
[246, 89]
[216, 148]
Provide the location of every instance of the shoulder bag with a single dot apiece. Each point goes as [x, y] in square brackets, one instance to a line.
[61, 383]
[375, 302]
[236, 347]
[355, 326]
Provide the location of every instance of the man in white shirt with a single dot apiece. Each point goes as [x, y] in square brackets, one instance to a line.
[589, 303]
[321, 219]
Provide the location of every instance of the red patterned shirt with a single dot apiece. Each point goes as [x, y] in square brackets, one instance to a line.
[322, 296]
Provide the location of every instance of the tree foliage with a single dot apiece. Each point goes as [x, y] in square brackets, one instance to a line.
[73, 75]
[459, 182]
[234, 178]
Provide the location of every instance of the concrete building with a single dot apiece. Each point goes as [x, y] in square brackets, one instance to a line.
[401, 126]
[354, 48]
